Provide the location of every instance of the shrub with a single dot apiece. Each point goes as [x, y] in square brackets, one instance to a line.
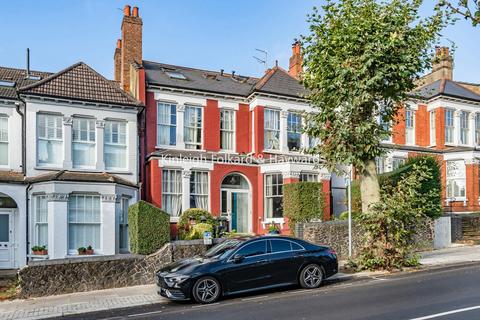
[199, 215]
[149, 228]
[198, 230]
[303, 202]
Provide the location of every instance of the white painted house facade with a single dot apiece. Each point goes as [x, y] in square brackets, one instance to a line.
[72, 186]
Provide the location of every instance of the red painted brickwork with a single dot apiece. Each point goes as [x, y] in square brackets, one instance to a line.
[211, 140]
[327, 187]
[422, 126]
[243, 129]
[398, 130]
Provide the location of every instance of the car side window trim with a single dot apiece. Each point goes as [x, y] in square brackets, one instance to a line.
[291, 247]
[257, 255]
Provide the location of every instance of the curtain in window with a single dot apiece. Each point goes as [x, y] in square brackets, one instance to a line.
[172, 192]
[83, 221]
[464, 130]
[456, 178]
[294, 131]
[272, 129]
[115, 145]
[166, 124]
[274, 195]
[199, 190]
[227, 131]
[83, 146]
[3, 140]
[193, 127]
[41, 221]
[49, 140]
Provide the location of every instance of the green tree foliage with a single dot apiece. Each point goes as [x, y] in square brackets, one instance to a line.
[303, 202]
[197, 215]
[390, 224]
[148, 228]
[361, 60]
[468, 9]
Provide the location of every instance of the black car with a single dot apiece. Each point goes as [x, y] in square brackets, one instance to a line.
[247, 264]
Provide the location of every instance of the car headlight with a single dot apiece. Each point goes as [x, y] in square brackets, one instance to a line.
[174, 280]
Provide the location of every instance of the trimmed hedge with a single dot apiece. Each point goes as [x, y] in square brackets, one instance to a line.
[390, 179]
[303, 202]
[194, 214]
[148, 228]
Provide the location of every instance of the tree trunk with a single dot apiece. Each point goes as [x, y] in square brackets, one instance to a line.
[369, 187]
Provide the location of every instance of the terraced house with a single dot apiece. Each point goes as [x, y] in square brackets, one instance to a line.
[68, 163]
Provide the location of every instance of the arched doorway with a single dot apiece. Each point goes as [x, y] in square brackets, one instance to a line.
[8, 207]
[236, 202]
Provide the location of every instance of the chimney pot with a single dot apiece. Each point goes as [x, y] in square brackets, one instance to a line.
[119, 44]
[221, 72]
[126, 10]
[233, 73]
[135, 11]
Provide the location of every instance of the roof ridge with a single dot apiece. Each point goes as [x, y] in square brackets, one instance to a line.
[51, 77]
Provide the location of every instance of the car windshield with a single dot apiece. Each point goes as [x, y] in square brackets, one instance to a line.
[221, 250]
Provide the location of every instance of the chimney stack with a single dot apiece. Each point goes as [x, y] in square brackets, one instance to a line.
[129, 47]
[442, 67]
[296, 61]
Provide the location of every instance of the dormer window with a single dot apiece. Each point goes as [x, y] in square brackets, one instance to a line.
[175, 75]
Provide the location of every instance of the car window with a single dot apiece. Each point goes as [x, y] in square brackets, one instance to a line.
[280, 246]
[296, 246]
[253, 249]
[221, 250]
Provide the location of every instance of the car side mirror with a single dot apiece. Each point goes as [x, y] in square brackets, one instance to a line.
[238, 258]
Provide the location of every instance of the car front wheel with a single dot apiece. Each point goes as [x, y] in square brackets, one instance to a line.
[311, 276]
[206, 290]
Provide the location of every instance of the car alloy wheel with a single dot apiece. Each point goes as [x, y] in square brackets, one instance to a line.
[311, 276]
[206, 290]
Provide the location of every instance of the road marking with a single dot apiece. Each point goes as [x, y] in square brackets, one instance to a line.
[437, 315]
[205, 305]
[143, 314]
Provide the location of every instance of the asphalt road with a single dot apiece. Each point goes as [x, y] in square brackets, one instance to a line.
[452, 293]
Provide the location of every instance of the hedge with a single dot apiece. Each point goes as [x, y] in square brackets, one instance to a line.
[303, 202]
[148, 228]
[193, 214]
[391, 179]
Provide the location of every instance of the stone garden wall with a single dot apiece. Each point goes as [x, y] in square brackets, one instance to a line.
[77, 274]
[335, 235]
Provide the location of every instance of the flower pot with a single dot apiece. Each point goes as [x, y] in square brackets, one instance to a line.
[89, 252]
[40, 252]
[274, 232]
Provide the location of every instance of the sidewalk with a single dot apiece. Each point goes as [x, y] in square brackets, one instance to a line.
[75, 303]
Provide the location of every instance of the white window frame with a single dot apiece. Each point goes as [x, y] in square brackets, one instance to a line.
[4, 136]
[77, 140]
[195, 190]
[189, 144]
[98, 248]
[456, 176]
[410, 126]
[269, 215]
[433, 128]
[57, 138]
[229, 131]
[309, 176]
[477, 129]
[449, 129]
[119, 145]
[464, 131]
[170, 124]
[268, 129]
[290, 126]
[397, 162]
[41, 211]
[170, 193]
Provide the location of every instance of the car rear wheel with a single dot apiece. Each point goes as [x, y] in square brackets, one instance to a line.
[206, 290]
[311, 276]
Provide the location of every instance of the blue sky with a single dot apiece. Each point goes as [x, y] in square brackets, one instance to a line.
[208, 34]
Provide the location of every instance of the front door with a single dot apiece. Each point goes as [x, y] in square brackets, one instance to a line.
[6, 239]
[239, 209]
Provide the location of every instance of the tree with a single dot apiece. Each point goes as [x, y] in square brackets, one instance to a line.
[470, 10]
[361, 60]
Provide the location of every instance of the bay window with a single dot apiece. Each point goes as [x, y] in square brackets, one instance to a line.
[49, 140]
[172, 191]
[271, 124]
[40, 221]
[449, 126]
[477, 129]
[309, 176]
[83, 142]
[397, 163]
[3, 140]
[410, 126]
[464, 129]
[199, 190]
[456, 176]
[274, 195]
[294, 131]
[193, 127]
[83, 221]
[433, 128]
[166, 124]
[227, 129]
[115, 145]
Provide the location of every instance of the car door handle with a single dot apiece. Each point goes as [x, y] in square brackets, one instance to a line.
[262, 262]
